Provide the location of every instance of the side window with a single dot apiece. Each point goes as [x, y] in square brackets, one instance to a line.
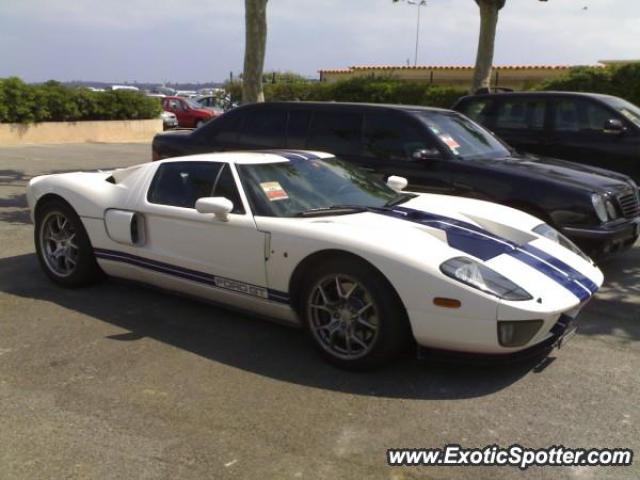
[226, 187]
[264, 128]
[336, 132]
[180, 184]
[393, 137]
[576, 114]
[175, 105]
[477, 110]
[223, 129]
[521, 114]
[297, 128]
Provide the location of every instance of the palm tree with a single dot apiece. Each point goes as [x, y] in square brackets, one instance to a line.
[489, 10]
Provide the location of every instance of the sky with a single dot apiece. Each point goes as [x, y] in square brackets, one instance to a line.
[203, 40]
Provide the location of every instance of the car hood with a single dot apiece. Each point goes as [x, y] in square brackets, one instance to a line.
[561, 171]
[431, 229]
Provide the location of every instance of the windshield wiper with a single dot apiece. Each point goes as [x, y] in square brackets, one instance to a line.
[332, 210]
[401, 198]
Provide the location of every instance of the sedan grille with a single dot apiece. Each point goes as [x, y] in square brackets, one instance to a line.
[630, 204]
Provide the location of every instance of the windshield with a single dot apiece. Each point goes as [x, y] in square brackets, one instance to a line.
[288, 189]
[464, 138]
[192, 103]
[628, 109]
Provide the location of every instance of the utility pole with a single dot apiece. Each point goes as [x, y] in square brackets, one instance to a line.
[419, 4]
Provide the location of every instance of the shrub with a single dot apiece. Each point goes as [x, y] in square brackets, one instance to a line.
[358, 89]
[53, 101]
[622, 81]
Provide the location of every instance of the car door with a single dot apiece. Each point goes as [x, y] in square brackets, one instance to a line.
[390, 140]
[521, 122]
[185, 248]
[579, 135]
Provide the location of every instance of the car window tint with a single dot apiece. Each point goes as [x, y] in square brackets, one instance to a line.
[180, 184]
[521, 113]
[477, 110]
[264, 128]
[226, 187]
[576, 114]
[223, 129]
[336, 132]
[391, 136]
[297, 128]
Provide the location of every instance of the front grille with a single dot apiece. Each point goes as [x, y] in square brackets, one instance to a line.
[629, 204]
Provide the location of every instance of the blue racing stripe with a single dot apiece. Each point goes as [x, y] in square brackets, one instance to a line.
[193, 275]
[480, 243]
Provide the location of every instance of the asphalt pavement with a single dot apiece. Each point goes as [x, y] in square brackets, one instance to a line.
[119, 381]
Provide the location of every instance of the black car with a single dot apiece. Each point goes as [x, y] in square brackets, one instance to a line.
[587, 128]
[438, 151]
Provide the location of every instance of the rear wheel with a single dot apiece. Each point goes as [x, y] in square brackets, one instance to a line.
[353, 315]
[63, 247]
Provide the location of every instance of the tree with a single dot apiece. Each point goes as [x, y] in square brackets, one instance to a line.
[254, 50]
[489, 11]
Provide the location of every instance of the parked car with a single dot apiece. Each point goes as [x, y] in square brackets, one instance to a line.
[307, 238]
[439, 151]
[190, 114]
[211, 102]
[587, 128]
[169, 120]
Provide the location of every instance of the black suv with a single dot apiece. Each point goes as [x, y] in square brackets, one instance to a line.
[588, 128]
[438, 151]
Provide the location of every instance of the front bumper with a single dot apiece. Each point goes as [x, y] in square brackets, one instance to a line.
[607, 238]
[562, 331]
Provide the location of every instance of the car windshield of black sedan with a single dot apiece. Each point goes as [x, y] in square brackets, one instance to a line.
[320, 186]
[464, 138]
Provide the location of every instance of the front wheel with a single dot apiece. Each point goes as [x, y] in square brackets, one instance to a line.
[199, 123]
[353, 315]
[63, 246]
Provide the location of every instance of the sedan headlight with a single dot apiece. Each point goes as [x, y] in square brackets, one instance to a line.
[611, 209]
[552, 234]
[599, 206]
[476, 275]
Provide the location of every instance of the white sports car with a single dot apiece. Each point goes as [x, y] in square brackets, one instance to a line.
[304, 237]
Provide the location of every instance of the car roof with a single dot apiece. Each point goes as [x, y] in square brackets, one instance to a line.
[388, 106]
[546, 93]
[252, 157]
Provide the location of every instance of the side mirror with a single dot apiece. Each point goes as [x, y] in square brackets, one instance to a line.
[397, 183]
[614, 126]
[426, 154]
[219, 206]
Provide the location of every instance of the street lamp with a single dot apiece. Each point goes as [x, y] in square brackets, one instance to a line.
[418, 4]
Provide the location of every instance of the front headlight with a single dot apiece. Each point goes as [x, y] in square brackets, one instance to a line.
[476, 275]
[599, 206]
[552, 234]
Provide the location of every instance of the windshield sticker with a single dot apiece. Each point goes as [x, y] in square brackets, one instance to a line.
[435, 130]
[450, 142]
[274, 191]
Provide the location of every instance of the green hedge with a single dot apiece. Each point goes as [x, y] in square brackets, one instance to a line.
[621, 81]
[358, 89]
[54, 102]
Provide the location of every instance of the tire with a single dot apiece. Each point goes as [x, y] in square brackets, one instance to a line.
[199, 123]
[378, 333]
[63, 247]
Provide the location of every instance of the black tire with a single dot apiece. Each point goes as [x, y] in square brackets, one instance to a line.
[86, 270]
[390, 319]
